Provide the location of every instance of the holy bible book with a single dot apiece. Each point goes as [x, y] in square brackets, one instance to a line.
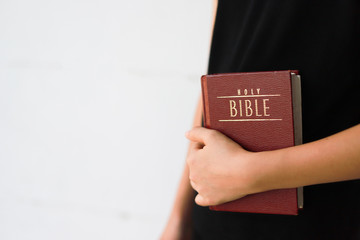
[261, 111]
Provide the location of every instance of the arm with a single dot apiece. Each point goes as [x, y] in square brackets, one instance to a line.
[334, 158]
[179, 223]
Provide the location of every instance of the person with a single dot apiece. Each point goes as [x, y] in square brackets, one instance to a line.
[321, 40]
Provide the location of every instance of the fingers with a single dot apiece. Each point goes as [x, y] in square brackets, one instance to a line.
[205, 202]
[201, 201]
[201, 135]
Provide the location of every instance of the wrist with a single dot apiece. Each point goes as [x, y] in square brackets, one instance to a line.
[249, 173]
[256, 172]
[266, 168]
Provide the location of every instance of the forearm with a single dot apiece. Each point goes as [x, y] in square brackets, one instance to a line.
[335, 158]
[181, 210]
[178, 226]
[185, 194]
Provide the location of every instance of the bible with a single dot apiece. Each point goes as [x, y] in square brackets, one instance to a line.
[261, 111]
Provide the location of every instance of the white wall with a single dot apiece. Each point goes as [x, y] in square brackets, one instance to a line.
[95, 97]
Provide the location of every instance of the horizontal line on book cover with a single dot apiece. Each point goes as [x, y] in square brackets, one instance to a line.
[248, 120]
[242, 96]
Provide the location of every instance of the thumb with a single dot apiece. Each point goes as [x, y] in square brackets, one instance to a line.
[200, 135]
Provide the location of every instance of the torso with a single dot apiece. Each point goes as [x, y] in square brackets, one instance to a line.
[321, 40]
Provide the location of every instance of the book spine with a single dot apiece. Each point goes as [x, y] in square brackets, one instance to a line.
[205, 102]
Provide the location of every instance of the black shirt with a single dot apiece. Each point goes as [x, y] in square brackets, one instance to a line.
[321, 39]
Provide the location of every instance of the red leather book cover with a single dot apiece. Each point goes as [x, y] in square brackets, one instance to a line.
[255, 110]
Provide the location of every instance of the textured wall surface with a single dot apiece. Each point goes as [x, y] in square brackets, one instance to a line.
[95, 97]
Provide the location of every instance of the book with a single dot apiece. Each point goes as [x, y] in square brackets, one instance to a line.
[261, 111]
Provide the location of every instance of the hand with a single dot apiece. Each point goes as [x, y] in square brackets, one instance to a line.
[220, 169]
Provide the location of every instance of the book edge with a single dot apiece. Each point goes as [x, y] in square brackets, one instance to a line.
[250, 73]
[297, 123]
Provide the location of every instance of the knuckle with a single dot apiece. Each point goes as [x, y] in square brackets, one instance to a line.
[190, 160]
[191, 178]
[192, 184]
[189, 133]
